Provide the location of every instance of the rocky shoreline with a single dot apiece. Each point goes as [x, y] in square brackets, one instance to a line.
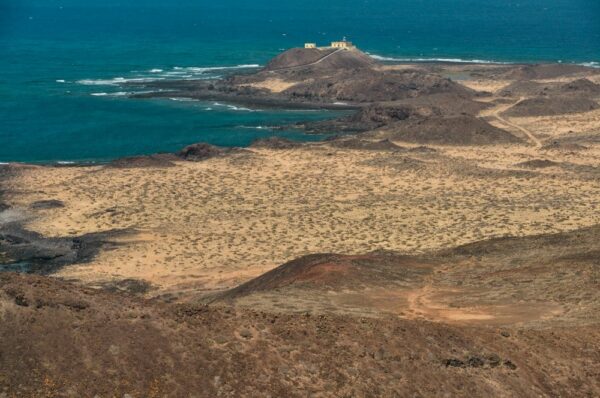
[418, 103]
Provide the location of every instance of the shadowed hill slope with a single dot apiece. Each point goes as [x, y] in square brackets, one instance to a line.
[339, 272]
[63, 340]
[539, 281]
[449, 130]
[555, 105]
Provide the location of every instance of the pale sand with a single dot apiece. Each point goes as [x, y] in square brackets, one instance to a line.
[274, 85]
[491, 86]
[214, 224]
[562, 126]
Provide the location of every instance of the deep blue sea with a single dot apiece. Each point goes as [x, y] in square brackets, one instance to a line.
[62, 62]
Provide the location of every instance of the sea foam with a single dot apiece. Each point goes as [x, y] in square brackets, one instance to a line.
[451, 60]
[591, 64]
[116, 81]
[117, 94]
[214, 68]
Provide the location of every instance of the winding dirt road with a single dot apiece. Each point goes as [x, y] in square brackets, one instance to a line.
[497, 114]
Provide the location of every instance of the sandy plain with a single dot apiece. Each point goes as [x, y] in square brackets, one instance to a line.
[211, 225]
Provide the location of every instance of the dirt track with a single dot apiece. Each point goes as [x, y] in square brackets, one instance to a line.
[498, 115]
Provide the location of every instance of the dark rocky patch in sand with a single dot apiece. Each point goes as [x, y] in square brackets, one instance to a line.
[563, 146]
[581, 86]
[130, 286]
[150, 161]
[276, 143]
[400, 163]
[447, 104]
[192, 153]
[537, 164]
[549, 106]
[384, 114]
[527, 88]
[365, 119]
[43, 255]
[360, 144]
[540, 72]
[577, 171]
[46, 204]
[204, 151]
[451, 130]
[422, 150]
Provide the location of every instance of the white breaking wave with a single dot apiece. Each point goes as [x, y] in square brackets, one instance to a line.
[157, 74]
[182, 99]
[240, 108]
[64, 162]
[116, 81]
[60, 81]
[591, 64]
[236, 108]
[452, 60]
[213, 68]
[255, 127]
[117, 94]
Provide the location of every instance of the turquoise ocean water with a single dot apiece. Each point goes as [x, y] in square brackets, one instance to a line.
[62, 63]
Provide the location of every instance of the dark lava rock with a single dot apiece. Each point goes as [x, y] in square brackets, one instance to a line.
[45, 255]
[552, 105]
[510, 365]
[543, 71]
[451, 130]
[537, 164]
[202, 151]
[47, 204]
[422, 149]
[476, 362]
[581, 86]
[563, 147]
[275, 143]
[355, 143]
[159, 160]
[454, 363]
[494, 360]
[21, 301]
[365, 85]
[132, 286]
